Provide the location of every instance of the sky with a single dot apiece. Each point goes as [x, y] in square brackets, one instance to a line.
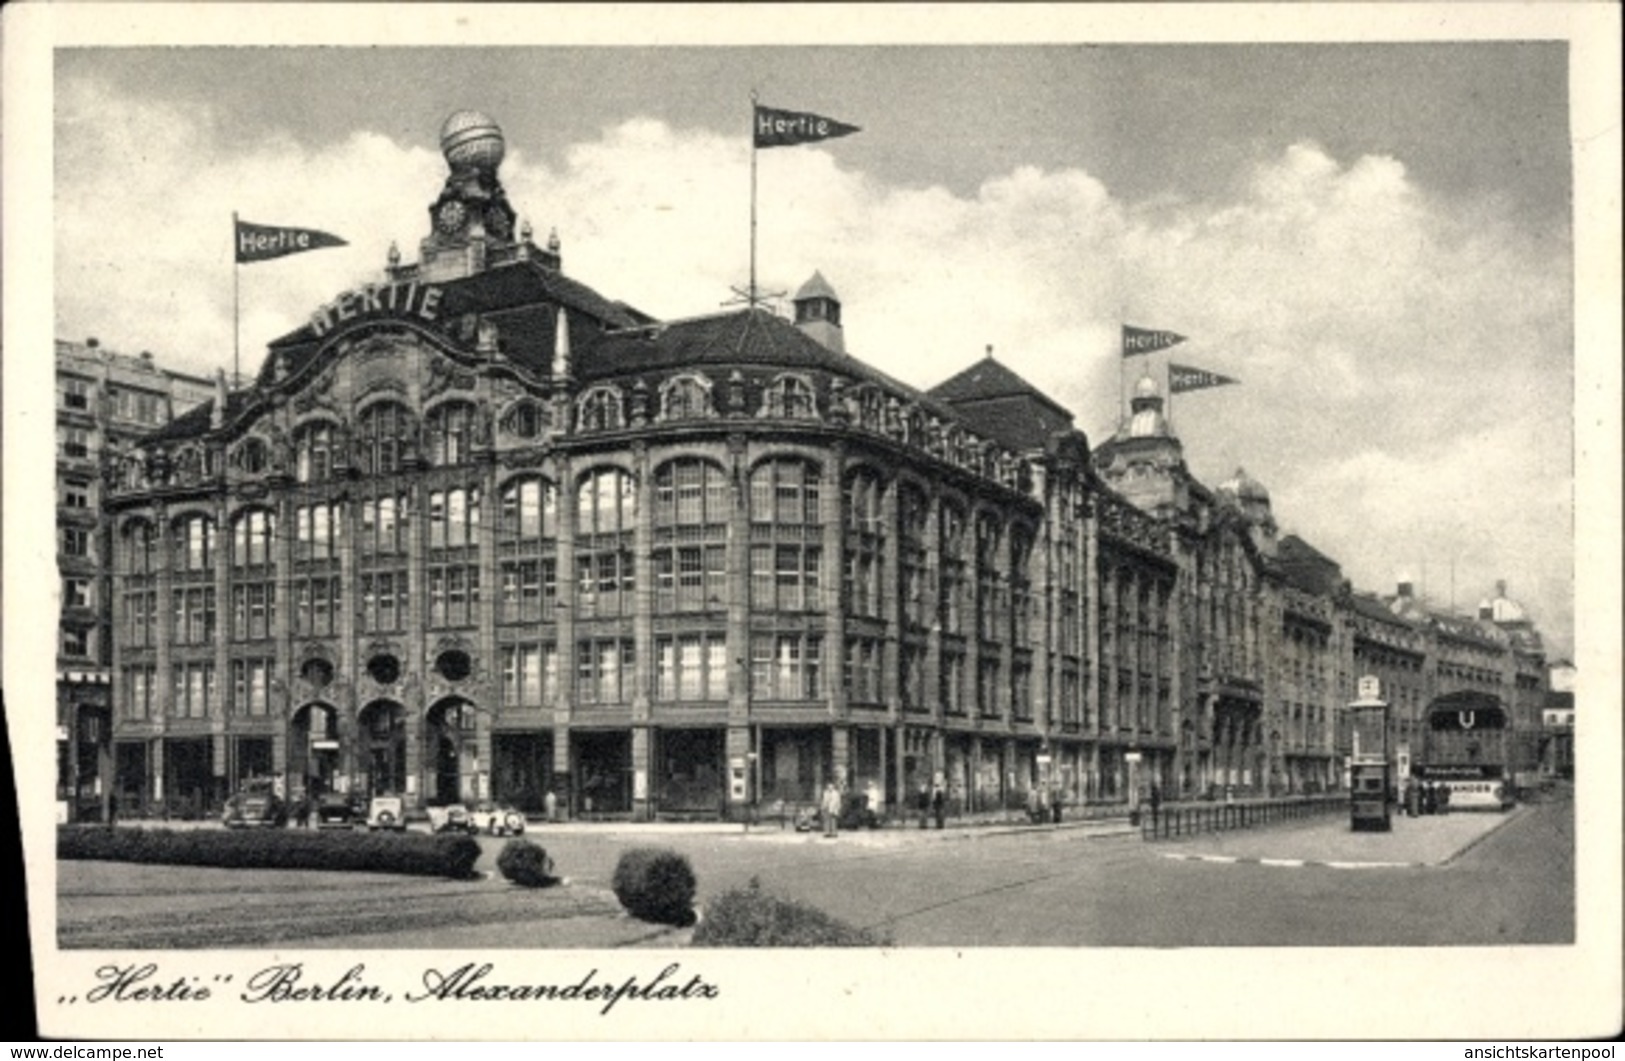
[1376, 240]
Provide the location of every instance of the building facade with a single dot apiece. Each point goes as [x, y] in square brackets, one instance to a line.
[105, 402]
[479, 532]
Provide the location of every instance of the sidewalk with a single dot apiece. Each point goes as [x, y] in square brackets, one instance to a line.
[1329, 841]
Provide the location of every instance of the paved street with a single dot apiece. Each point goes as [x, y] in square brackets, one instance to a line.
[1460, 879]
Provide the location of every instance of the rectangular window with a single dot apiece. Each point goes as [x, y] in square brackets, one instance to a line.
[75, 542]
[75, 642]
[75, 394]
[75, 593]
[76, 495]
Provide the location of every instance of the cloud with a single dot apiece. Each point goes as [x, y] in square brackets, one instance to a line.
[1399, 352]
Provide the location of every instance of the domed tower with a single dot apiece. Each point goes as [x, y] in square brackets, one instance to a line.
[471, 225]
[1250, 497]
[818, 313]
[1144, 461]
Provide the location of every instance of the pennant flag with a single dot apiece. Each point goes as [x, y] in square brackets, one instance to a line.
[1138, 341]
[776, 128]
[1183, 378]
[258, 243]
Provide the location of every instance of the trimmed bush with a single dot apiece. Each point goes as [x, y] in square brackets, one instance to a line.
[526, 863]
[409, 853]
[750, 917]
[656, 884]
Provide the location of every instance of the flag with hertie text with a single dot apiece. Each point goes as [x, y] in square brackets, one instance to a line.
[1183, 378]
[776, 128]
[1138, 341]
[258, 243]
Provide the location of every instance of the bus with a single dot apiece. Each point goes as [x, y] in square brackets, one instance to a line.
[1466, 748]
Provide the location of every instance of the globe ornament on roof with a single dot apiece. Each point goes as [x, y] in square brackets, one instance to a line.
[470, 140]
[1147, 387]
[1244, 487]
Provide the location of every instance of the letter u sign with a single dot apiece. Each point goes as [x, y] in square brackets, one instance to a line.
[1467, 718]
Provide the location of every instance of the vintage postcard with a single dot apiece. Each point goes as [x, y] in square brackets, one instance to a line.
[773, 522]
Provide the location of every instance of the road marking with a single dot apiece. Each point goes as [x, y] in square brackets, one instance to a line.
[1294, 863]
[1280, 862]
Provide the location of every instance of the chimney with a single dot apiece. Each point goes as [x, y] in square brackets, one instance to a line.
[1501, 588]
[561, 347]
[1405, 590]
[93, 342]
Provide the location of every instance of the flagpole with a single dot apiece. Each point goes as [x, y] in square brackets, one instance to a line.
[751, 296]
[236, 328]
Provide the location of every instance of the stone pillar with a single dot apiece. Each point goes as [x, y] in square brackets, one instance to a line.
[219, 723]
[489, 656]
[566, 613]
[415, 680]
[831, 513]
[643, 599]
[738, 631]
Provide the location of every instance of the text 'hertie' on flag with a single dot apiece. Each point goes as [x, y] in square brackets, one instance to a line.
[776, 128]
[1138, 341]
[1183, 378]
[258, 243]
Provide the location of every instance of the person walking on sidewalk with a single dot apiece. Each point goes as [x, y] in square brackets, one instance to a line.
[830, 805]
[923, 803]
[938, 804]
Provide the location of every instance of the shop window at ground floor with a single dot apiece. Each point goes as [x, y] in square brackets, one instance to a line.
[522, 770]
[602, 772]
[794, 764]
[189, 781]
[689, 772]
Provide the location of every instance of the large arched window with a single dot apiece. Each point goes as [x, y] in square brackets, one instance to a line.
[252, 455]
[790, 397]
[451, 434]
[865, 542]
[606, 513]
[313, 453]
[685, 397]
[692, 502]
[913, 524]
[527, 535]
[253, 533]
[385, 430]
[194, 544]
[527, 419]
[600, 410]
[786, 549]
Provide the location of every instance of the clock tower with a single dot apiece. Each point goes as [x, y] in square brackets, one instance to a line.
[471, 225]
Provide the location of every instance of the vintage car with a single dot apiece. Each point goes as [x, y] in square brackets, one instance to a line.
[387, 812]
[256, 804]
[336, 810]
[452, 818]
[496, 820]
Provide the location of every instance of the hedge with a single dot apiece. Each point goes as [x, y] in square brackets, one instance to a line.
[526, 863]
[750, 917]
[417, 854]
[656, 884]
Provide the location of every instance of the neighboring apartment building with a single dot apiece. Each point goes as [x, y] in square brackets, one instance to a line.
[105, 401]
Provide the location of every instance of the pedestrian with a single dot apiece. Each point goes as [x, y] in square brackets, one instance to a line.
[1056, 798]
[938, 804]
[1156, 806]
[830, 806]
[1035, 805]
[550, 804]
[302, 811]
[1444, 799]
[923, 804]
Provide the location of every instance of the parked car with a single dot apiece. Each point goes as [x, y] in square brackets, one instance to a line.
[452, 818]
[336, 810]
[387, 812]
[256, 804]
[496, 820]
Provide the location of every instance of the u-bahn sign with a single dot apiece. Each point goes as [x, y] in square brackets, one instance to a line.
[1369, 687]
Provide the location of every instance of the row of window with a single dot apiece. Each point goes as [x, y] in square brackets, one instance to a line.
[143, 407]
[192, 688]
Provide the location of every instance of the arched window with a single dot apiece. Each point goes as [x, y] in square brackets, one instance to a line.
[313, 448]
[451, 434]
[529, 510]
[913, 523]
[685, 397]
[600, 410]
[252, 535]
[140, 548]
[385, 429]
[785, 492]
[193, 538]
[690, 492]
[606, 512]
[692, 502]
[790, 397]
[865, 542]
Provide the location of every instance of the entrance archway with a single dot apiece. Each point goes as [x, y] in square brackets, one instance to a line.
[452, 752]
[381, 756]
[313, 750]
